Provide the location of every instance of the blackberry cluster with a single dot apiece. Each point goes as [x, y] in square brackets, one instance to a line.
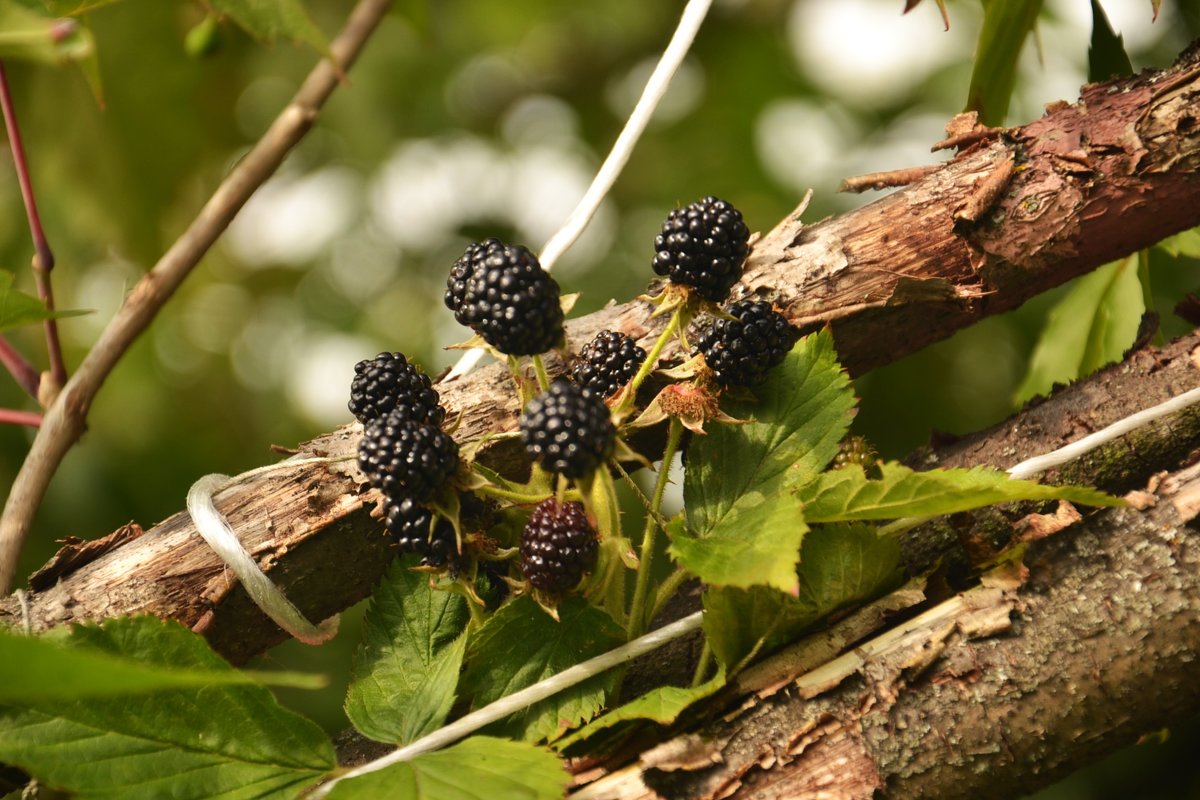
[406, 458]
[389, 383]
[503, 294]
[607, 363]
[412, 528]
[568, 429]
[857, 450]
[703, 245]
[739, 351]
[557, 546]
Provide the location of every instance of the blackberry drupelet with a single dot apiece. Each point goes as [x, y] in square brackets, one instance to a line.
[568, 429]
[557, 546]
[507, 298]
[412, 528]
[607, 363]
[456, 285]
[390, 382]
[703, 245]
[406, 458]
[739, 351]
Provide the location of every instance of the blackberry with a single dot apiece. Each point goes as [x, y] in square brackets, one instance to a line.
[389, 382]
[739, 351]
[703, 245]
[406, 458]
[568, 429]
[607, 363]
[412, 527]
[557, 546]
[507, 298]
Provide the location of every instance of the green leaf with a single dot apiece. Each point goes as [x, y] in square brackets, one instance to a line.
[845, 564]
[406, 669]
[211, 742]
[480, 768]
[18, 308]
[34, 670]
[740, 623]
[847, 494]
[1186, 244]
[805, 409]
[756, 543]
[30, 35]
[662, 705]
[268, 20]
[521, 645]
[1091, 325]
[1106, 54]
[1006, 24]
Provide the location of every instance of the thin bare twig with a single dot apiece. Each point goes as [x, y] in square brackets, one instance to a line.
[64, 420]
[24, 373]
[11, 416]
[43, 257]
[889, 179]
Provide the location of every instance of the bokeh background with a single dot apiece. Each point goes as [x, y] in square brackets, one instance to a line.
[469, 119]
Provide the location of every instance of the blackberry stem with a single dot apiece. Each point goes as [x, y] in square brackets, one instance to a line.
[637, 611]
[652, 357]
[539, 367]
[489, 490]
[703, 665]
[667, 590]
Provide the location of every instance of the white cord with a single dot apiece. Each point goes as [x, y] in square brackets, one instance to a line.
[1033, 466]
[523, 699]
[211, 524]
[677, 49]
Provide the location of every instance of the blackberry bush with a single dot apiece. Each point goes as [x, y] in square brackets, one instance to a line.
[557, 546]
[739, 351]
[504, 295]
[412, 527]
[568, 429]
[406, 458]
[388, 383]
[703, 245]
[607, 363]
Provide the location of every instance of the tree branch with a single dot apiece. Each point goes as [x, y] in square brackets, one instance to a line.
[65, 419]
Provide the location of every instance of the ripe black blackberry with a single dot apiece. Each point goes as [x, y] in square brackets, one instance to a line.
[703, 245]
[507, 298]
[412, 527]
[739, 351]
[607, 363]
[568, 429]
[389, 382]
[406, 458]
[557, 546]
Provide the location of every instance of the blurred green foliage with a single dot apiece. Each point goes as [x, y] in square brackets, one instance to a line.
[465, 119]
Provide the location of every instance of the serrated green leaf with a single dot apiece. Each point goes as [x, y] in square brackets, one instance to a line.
[1106, 53]
[406, 669]
[1006, 25]
[18, 308]
[1186, 244]
[740, 623]
[34, 669]
[521, 645]
[847, 494]
[845, 564]
[29, 35]
[662, 705]
[268, 20]
[757, 543]
[480, 768]
[1091, 326]
[213, 742]
[805, 409]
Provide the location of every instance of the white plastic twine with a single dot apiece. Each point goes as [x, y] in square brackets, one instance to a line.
[681, 42]
[212, 526]
[523, 699]
[1037, 464]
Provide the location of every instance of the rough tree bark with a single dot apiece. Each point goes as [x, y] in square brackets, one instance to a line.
[1017, 211]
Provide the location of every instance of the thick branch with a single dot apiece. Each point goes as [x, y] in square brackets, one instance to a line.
[891, 277]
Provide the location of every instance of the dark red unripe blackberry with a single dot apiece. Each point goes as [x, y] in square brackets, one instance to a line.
[507, 298]
[703, 245]
[568, 429]
[406, 458]
[389, 382]
[412, 528]
[557, 546]
[739, 351]
[607, 363]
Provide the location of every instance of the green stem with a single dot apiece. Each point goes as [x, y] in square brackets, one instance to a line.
[902, 525]
[655, 351]
[703, 666]
[539, 367]
[505, 494]
[667, 590]
[637, 611]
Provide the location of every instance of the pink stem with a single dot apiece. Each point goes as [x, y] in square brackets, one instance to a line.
[22, 371]
[9, 416]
